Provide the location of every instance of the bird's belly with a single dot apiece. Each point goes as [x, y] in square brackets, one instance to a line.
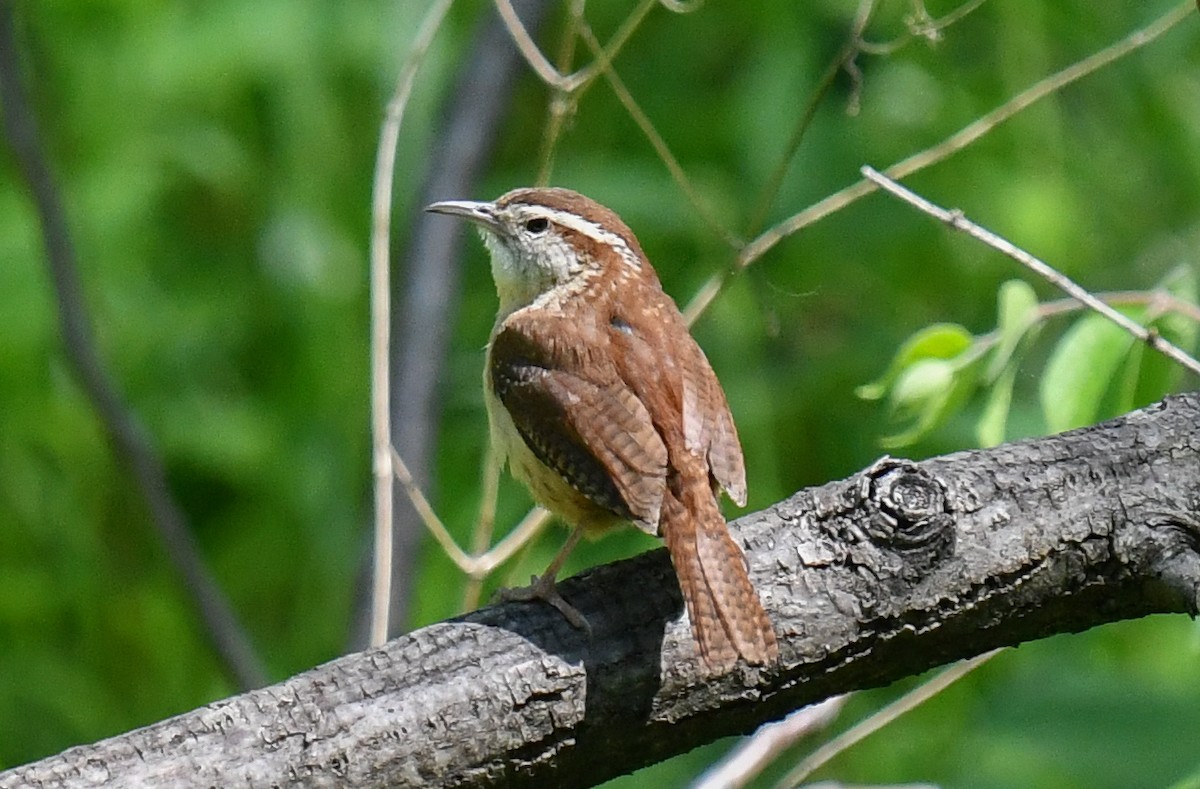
[546, 485]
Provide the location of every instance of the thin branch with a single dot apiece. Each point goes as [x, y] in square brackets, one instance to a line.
[474, 566]
[1158, 301]
[660, 146]
[680, 7]
[571, 89]
[842, 198]
[533, 56]
[530, 526]
[130, 442]
[921, 25]
[747, 761]
[561, 104]
[968, 134]
[860, 731]
[619, 39]
[844, 56]
[485, 523]
[381, 429]
[707, 294]
[927, 27]
[956, 219]
[541, 64]
[426, 512]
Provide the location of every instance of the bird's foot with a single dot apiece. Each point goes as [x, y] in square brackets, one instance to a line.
[544, 588]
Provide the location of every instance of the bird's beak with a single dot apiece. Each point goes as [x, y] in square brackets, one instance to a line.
[482, 214]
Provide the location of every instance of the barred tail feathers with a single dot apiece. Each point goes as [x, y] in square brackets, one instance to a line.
[728, 620]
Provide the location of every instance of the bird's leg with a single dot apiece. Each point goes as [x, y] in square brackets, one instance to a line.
[544, 588]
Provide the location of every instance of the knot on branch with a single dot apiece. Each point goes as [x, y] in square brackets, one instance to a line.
[1171, 551]
[909, 513]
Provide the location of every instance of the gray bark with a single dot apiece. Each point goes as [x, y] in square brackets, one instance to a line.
[895, 570]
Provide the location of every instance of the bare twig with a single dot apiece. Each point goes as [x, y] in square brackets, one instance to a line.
[956, 219]
[746, 762]
[423, 312]
[921, 25]
[426, 512]
[842, 198]
[844, 56]
[529, 527]
[926, 26]
[660, 146]
[968, 134]
[474, 566]
[541, 64]
[533, 56]
[1157, 301]
[489, 494]
[680, 7]
[130, 442]
[561, 104]
[381, 203]
[860, 731]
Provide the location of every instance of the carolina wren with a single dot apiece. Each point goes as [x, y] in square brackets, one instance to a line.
[607, 409]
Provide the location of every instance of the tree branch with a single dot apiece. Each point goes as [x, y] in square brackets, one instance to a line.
[956, 219]
[895, 570]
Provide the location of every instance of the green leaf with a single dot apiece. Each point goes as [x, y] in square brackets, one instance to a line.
[939, 341]
[930, 391]
[1127, 381]
[990, 430]
[1080, 370]
[1017, 313]
[1156, 374]
[925, 381]
[1189, 782]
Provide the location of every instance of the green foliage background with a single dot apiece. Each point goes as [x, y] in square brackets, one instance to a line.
[215, 159]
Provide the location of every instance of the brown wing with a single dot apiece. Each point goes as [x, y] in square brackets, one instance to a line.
[708, 426]
[655, 366]
[596, 433]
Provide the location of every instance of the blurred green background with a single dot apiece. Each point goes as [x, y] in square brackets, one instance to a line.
[215, 159]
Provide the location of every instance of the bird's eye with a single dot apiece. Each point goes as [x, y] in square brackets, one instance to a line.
[537, 225]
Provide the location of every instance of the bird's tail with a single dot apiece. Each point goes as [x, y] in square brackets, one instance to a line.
[728, 619]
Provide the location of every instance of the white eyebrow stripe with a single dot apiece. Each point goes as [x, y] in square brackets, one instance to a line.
[592, 230]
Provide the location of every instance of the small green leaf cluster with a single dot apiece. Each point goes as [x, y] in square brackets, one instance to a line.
[1094, 368]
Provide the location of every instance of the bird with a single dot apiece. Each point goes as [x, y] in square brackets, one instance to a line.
[602, 403]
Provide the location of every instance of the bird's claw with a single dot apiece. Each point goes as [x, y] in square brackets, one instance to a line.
[543, 588]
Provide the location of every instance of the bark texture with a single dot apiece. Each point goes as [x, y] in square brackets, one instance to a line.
[895, 570]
